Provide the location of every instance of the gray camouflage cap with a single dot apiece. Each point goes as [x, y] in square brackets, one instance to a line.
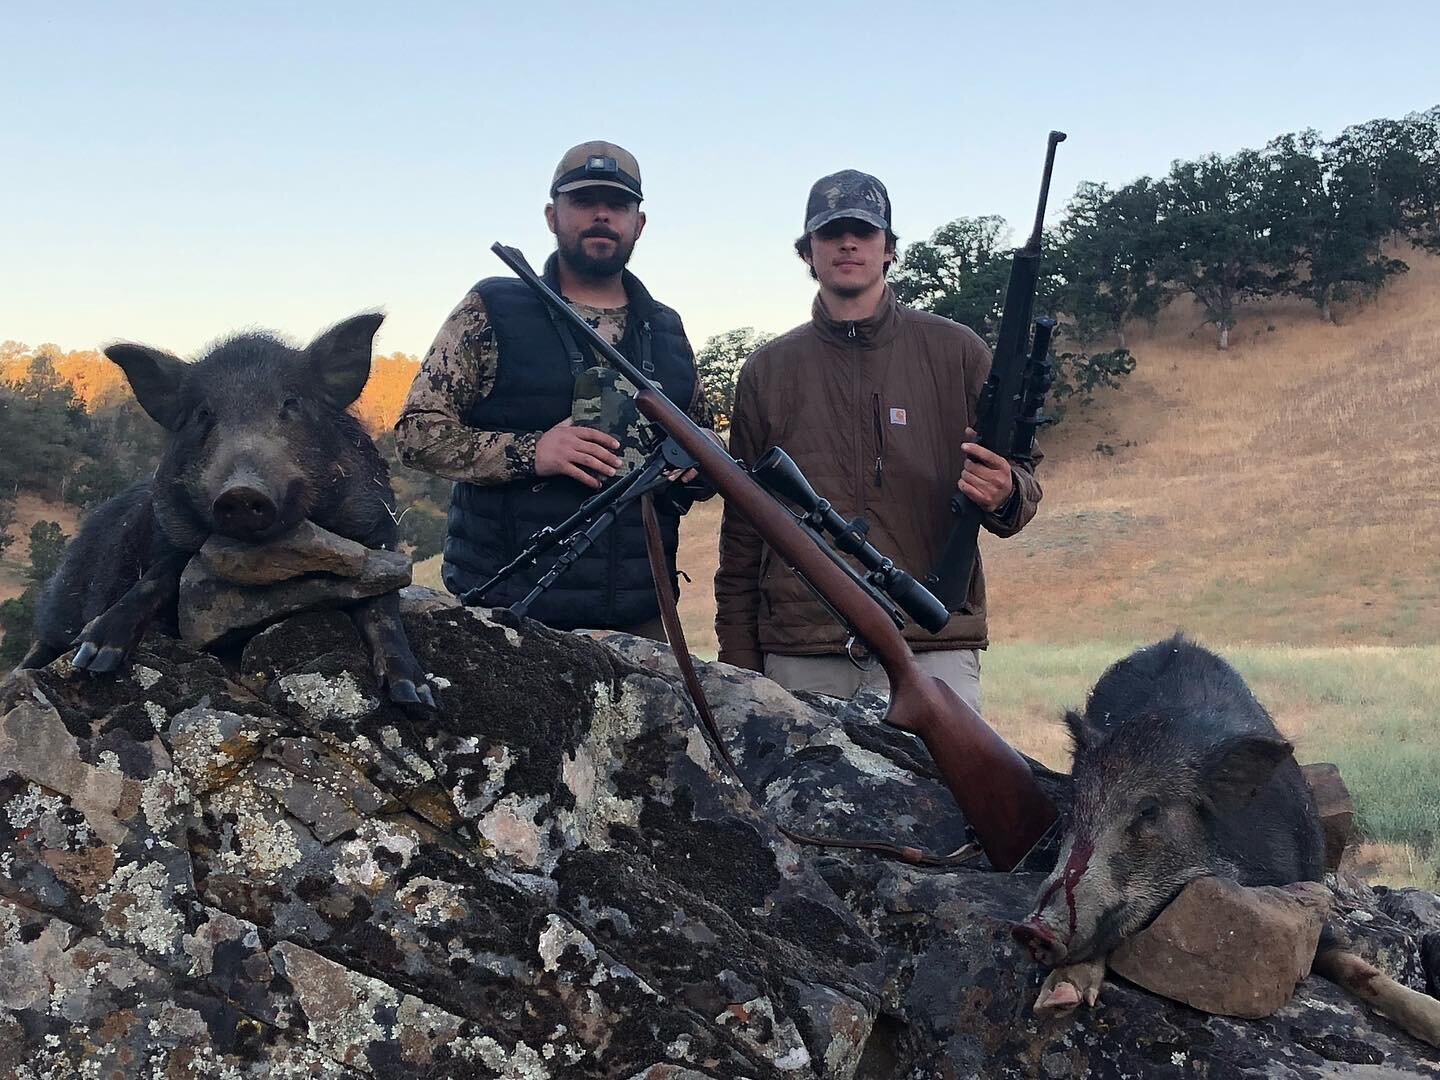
[847, 194]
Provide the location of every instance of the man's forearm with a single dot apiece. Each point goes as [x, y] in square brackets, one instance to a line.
[442, 445]
[1019, 508]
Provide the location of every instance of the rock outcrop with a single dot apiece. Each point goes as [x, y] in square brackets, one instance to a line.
[273, 871]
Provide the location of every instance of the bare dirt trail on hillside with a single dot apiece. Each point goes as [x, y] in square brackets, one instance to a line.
[16, 559]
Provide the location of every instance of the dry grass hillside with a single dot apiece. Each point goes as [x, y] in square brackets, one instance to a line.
[16, 558]
[1285, 491]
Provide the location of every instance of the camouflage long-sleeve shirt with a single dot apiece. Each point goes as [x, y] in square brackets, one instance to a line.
[459, 370]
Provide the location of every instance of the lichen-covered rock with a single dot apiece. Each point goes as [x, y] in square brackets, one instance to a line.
[273, 871]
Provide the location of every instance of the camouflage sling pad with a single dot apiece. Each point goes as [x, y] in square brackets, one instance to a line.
[605, 400]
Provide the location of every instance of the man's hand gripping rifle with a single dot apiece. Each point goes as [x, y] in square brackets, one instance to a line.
[991, 782]
[1020, 377]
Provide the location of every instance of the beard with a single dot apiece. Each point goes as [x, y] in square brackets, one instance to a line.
[850, 292]
[582, 264]
[850, 289]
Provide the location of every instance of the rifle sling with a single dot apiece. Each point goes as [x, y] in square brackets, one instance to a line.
[675, 634]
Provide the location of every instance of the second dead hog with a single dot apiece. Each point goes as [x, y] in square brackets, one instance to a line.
[258, 440]
[1180, 774]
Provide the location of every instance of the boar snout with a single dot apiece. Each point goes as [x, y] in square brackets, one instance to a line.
[244, 511]
[1045, 947]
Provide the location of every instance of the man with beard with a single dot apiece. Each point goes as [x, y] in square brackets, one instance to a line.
[528, 423]
[875, 402]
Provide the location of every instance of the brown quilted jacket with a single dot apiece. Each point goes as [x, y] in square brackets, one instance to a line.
[874, 413]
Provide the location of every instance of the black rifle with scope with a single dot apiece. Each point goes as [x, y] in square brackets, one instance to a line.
[1011, 403]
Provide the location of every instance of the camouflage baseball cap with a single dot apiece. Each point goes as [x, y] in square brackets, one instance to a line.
[847, 194]
[597, 164]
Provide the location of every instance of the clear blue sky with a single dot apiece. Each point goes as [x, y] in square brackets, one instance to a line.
[170, 172]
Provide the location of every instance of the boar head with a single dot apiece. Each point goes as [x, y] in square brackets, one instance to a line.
[1148, 807]
[253, 427]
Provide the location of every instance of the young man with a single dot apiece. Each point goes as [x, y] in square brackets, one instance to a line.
[517, 411]
[875, 402]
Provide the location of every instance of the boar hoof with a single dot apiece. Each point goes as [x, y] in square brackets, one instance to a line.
[108, 660]
[100, 660]
[1067, 987]
[408, 692]
[107, 641]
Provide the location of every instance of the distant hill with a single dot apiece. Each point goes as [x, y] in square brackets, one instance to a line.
[390, 378]
[1284, 491]
[99, 383]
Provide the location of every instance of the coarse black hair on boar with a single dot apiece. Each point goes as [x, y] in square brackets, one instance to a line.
[259, 439]
[1180, 773]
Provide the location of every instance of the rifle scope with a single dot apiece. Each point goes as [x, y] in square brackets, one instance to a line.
[778, 474]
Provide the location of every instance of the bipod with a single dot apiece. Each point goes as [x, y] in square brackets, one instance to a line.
[580, 530]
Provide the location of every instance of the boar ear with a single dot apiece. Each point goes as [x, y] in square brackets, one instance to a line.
[1083, 734]
[155, 377]
[1241, 766]
[340, 358]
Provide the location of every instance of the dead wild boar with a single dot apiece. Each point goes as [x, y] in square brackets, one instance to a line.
[259, 440]
[1179, 773]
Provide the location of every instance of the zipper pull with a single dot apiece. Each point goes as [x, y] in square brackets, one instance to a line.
[851, 334]
[879, 470]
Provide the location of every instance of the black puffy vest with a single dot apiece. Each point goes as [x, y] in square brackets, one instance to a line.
[610, 586]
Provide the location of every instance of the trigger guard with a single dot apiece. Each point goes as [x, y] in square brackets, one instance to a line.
[864, 660]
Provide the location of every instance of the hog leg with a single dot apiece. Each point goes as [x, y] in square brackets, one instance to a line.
[378, 620]
[108, 639]
[1417, 1013]
[39, 656]
[1067, 987]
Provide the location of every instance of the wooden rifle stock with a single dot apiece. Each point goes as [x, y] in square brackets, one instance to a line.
[992, 784]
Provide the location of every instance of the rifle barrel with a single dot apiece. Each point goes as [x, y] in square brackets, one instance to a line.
[1056, 138]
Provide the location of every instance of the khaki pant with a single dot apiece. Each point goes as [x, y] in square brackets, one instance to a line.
[836, 676]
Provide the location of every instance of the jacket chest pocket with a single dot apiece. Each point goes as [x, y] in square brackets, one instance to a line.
[906, 450]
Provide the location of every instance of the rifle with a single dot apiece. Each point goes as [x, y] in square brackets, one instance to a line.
[1010, 404]
[992, 784]
[577, 533]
